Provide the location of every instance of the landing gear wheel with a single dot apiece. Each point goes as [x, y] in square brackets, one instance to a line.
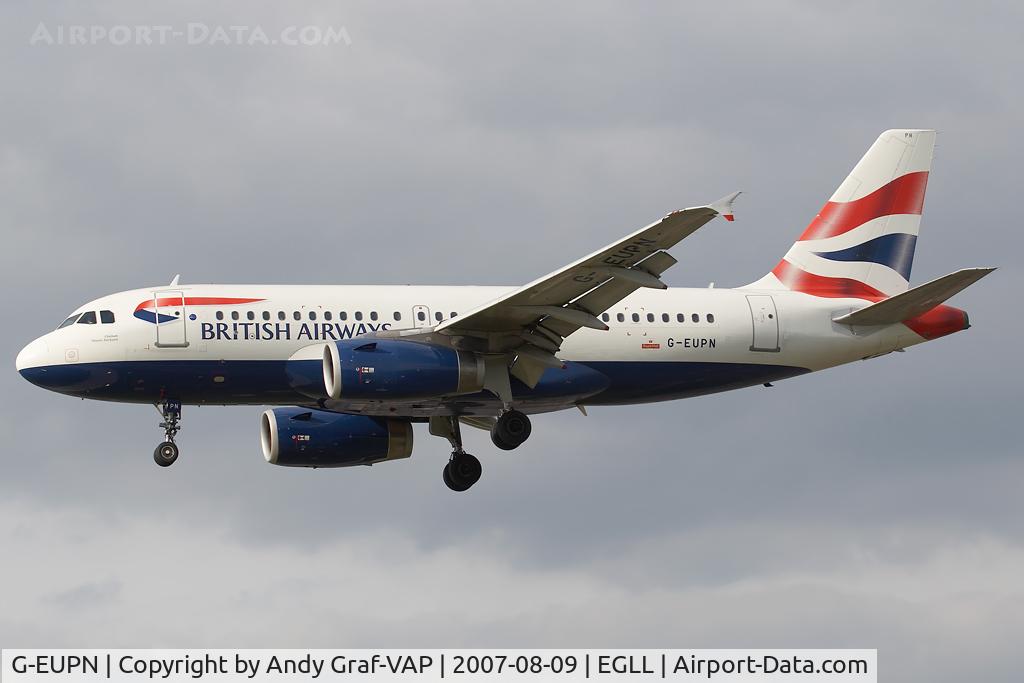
[165, 454]
[462, 471]
[510, 430]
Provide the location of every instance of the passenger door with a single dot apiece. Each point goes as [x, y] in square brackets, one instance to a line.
[169, 308]
[766, 323]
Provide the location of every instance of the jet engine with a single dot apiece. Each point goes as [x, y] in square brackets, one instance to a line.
[397, 368]
[303, 437]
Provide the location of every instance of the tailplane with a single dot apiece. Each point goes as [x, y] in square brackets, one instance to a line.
[861, 244]
[915, 302]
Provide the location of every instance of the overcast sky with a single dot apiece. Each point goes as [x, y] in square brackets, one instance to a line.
[873, 505]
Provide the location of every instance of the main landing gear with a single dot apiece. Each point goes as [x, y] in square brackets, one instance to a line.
[463, 470]
[510, 430]
[167, 452]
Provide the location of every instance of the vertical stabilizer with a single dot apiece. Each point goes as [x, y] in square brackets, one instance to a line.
[861, 244]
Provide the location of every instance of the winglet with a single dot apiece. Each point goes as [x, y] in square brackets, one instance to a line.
[724, 205]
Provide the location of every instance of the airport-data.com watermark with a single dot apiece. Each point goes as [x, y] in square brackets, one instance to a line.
[192, 33]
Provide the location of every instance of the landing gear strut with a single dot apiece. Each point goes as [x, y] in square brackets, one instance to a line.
[511, 429]
[463, 470]
[167, 452]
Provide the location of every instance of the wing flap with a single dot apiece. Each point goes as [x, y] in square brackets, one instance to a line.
[612, 291]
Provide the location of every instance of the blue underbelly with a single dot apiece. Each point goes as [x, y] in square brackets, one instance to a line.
[646, 382]
[267, 383]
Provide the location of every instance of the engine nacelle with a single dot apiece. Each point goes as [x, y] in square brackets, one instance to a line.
[397, 368]
[302, 437]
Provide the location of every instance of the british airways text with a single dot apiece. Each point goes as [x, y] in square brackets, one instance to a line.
[257, 331]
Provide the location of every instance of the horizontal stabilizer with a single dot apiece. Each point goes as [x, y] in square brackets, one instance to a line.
[916, 301]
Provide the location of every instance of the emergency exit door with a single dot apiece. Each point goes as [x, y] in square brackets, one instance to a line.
[420, 316]
[169, 308]
[765, 321]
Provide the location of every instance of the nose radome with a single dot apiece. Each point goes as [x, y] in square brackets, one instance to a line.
[33, 355]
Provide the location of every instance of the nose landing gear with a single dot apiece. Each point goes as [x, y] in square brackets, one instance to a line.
[167, 452]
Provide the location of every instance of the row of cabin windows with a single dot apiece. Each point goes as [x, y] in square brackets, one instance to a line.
[421, 316]
[89, 318]
[328, 315]
[665, 317]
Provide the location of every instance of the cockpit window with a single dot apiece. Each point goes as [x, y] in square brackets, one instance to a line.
[69, 321]
[106, 317]
[88, 318]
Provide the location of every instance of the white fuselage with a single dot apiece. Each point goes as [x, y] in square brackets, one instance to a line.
[676, 342]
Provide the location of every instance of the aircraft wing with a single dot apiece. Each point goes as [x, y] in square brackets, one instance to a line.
[533, 320]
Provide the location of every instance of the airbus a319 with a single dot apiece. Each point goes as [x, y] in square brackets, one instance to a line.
[347, 370]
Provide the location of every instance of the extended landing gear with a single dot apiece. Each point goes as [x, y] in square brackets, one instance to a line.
[167, 452]
[510, 430]
[463, 470]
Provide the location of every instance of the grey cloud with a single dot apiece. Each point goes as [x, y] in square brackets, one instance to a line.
[87, 595]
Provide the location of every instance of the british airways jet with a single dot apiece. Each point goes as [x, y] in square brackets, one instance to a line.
[350, 368]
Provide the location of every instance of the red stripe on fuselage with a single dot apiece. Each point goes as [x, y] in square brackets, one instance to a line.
[904, 195]
[799, 280]
[195, 301]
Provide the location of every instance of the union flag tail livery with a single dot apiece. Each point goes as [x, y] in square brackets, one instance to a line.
[348, 370]
[861, 243]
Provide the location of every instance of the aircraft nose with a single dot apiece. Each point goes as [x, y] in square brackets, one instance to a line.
[32, 356]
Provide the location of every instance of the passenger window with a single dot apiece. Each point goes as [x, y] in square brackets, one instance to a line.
[398, 316]
[327, 315]
[266, 315]
[650, 317]
[373, 315]
[695, 318]
[281, 315]
[711, 317]
[106, 317]
[312, 315]
[454, 314]
[69, 321]
[343, 315]
[219, 315]
[359, 315]
[88, 318]
[620, 317]
[234, 315]
[605, 317]
[664, 317]
[251, 315]
[680, 317]
[438, 316]
[297, 315]
[421, 316]
[636, 317]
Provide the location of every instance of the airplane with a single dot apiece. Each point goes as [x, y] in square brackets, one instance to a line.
[347, 370]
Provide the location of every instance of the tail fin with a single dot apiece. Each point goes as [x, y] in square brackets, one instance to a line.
[861, 243]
